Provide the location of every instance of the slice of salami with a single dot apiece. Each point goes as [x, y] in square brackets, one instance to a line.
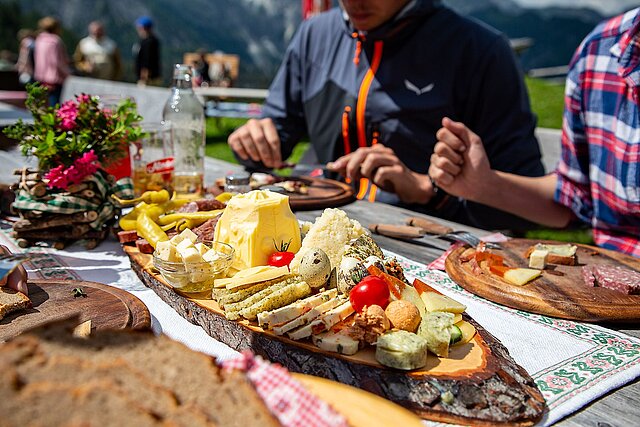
[589, 276]
[621, 279]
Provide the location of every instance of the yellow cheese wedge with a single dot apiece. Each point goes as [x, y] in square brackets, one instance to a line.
[521, 276]
[468, 331]
[538, 259]
[251, 275]
[457, 318]
[255, 224]
[437, 302]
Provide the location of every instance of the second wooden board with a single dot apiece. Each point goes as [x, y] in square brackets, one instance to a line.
[559, 292]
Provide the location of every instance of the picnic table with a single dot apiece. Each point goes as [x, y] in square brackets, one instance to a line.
[551, 350]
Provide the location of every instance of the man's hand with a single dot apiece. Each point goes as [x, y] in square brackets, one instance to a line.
[459, 164]
[381, 165]
[17, 279]
[257, 140]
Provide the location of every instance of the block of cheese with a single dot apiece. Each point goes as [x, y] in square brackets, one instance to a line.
[251, 275]
[257, 224]
[538, 259]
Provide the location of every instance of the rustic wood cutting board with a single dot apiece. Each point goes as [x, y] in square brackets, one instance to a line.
[106, 306]
[323, 193]
[565, 296]
[490, 387]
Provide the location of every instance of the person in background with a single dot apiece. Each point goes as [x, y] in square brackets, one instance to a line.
[25, 62]
[202, 68]
[369, 83]
[97, 55]
[147, 53]
[597, 180]
[51, 59]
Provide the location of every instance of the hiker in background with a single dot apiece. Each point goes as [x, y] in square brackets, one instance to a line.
[147, 53]
[202, 68]
[97, 55]
[369, 83]
[51, 59]
[25, 62]
[597, 180]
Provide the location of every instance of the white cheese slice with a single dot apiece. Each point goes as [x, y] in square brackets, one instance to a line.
[308, 316]
[324, 322]
[336, 342]
[269, 319]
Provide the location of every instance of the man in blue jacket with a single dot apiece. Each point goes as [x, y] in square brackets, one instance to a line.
[370, 82]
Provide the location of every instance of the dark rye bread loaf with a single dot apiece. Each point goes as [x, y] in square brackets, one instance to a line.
[49, 377]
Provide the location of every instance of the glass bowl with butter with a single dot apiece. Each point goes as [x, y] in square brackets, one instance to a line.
[192, 266]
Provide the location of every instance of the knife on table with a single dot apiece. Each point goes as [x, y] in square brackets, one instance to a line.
[428, 226]
[409, 234]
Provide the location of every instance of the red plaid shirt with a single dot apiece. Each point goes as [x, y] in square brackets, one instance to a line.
[599, 171]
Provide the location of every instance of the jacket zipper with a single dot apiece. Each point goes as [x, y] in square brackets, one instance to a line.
[361, 107]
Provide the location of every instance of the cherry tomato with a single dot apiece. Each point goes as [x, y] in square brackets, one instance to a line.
[280, 259]
[370, 291]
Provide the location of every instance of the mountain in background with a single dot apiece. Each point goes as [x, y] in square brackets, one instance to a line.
[259, 30]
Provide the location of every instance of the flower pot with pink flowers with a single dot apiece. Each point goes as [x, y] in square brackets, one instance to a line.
[68, 197]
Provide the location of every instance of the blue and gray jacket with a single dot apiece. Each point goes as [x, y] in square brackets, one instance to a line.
[393, 85]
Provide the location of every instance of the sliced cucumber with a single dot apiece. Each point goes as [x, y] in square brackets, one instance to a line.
[456, 335]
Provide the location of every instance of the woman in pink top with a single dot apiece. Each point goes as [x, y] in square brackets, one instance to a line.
[51, 59]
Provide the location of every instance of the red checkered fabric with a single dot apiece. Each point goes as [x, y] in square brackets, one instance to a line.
[286, 398]
[438, 264]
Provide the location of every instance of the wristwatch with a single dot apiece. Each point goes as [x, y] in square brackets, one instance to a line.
[439, 196]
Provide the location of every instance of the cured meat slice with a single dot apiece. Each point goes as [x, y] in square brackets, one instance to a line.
[618, 278]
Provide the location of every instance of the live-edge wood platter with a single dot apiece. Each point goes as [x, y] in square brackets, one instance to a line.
[107, 307]
[559, 292]
[489, 387]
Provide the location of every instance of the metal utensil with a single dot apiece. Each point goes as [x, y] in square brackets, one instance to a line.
[468, 238]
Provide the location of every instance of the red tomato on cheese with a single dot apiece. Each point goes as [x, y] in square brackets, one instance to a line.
[280, 259]
[370, 291]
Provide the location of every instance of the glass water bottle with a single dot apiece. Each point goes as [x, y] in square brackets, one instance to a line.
[183, 117]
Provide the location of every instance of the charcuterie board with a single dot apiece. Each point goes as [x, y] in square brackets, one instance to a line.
[489, 387]
[107, 307]
[559, 292]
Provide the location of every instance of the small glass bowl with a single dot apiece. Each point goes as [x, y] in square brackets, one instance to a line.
[196, 277]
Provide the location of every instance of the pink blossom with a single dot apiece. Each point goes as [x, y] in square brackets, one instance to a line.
[67, 113]
[84, 166]
[83, 98]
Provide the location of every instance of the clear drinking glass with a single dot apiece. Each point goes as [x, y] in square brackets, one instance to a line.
[151, 160]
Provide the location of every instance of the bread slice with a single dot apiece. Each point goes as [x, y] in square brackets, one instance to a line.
[557, 254]
[12, 300]
[154, 380]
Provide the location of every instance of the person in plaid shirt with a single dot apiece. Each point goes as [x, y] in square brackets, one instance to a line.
[597, 179]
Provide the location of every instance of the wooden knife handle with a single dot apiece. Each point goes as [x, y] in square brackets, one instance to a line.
[402, 231]
[428, 226]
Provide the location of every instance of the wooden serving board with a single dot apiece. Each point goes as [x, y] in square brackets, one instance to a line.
[490, 388]
[106, 306]
[323, 193]
[565, 296]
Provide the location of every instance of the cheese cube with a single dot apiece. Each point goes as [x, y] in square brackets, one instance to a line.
[186, 234]
[186, 243]
[167, 252]
[202, 248]
[190, 255]
[538, 259]
[211, 255]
